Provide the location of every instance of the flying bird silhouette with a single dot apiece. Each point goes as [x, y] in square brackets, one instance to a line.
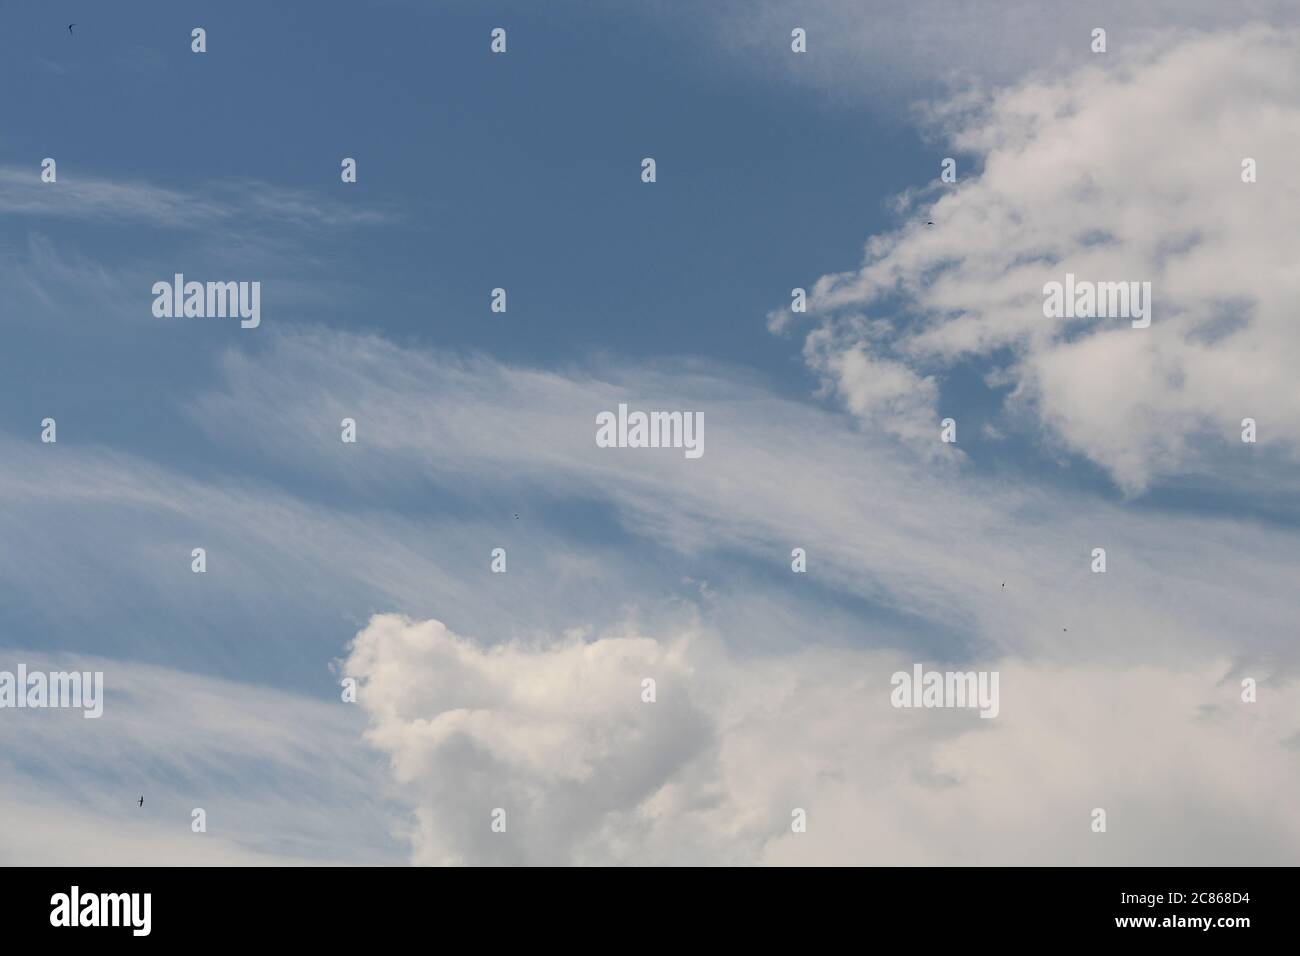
[142, 799]
[70, 26]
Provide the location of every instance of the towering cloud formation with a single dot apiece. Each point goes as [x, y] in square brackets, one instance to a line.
[560, 737]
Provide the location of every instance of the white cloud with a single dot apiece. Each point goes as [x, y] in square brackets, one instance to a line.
[918, 538]
[282, 778]
[558, 736]
[82, 195]
[882, 391]
[1131, 174]
[770, 696]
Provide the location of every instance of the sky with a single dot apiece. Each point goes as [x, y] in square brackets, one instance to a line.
[371, 561]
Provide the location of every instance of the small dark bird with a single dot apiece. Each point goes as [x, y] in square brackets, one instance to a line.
[1004, 584]
[70, 26]
[929, 222]
[516, 517]
[1065, 629]
[142, 800]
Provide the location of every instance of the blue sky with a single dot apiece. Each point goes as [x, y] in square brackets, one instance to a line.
[477, 171]
[522, 170]
[516, 169]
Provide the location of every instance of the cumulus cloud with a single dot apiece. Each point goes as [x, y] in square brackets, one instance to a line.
[558, 736]
[883, 391]
[1128, 174]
